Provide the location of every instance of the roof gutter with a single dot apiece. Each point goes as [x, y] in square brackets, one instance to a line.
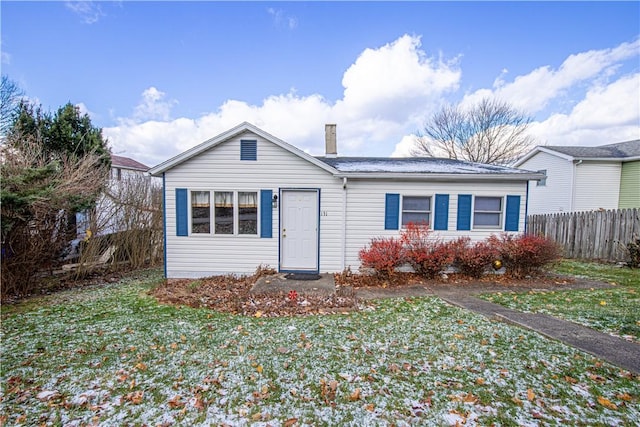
[533, 176]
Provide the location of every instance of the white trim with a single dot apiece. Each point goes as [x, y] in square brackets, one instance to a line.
[503, 208]
[217, 140]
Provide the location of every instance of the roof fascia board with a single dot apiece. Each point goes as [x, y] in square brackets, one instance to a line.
[237, 130]
[542, 149]
[533, 176]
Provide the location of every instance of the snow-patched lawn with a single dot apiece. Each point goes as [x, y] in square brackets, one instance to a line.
[110, 355]
[614, 310]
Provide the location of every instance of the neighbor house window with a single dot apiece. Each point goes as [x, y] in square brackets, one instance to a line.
[223, 212]
[200, 212]
[416, 209]
[543, 181]
[487, 212]
[247, 212]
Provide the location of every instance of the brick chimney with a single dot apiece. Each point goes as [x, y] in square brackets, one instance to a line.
[331, 145]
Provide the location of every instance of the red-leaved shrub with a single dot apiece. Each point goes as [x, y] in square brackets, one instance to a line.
[383, 255]
[473, 259]
[427, 256]
[522, 255]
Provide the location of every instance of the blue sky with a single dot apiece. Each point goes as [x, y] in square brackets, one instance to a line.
[160, 77]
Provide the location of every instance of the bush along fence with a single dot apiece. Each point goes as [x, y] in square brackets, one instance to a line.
[603, 234]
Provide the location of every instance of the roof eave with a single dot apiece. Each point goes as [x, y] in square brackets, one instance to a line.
[443, 176]
[542, 149]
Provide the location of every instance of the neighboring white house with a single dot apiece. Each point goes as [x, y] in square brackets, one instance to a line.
[245, 198]
[104, 219]
[584, 178]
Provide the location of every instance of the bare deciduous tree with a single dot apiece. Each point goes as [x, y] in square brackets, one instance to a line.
[127, 217]
[37, 191]
[10, 97]
[490, 132]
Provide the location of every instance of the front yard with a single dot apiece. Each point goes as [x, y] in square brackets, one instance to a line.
[615, 311]
[111, 355]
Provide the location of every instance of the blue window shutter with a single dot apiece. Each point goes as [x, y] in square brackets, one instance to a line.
[182, 212]
[512, 213]
[464, 212]
[266, 214]
[441, 217]
[248, 150]
[391, 211]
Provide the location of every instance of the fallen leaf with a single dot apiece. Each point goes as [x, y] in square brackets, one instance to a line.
[141, 366]
[290, 422]
[355, 395]
[480, 381]
[607, 403]
[259, 369]
[530, 395]
[176, 402]
[624, 396]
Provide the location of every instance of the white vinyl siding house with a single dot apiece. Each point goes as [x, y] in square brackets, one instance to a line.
[596, 185]
[281, 207]
[581, 178]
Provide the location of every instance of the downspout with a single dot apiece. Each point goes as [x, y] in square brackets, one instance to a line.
[573, 181]
[344, 223]
[526, 209]
[164, 222]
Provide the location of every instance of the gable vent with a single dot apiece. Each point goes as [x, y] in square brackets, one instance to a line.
[248, 150]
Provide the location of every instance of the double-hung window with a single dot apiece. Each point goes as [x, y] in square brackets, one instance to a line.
[247, 212]
[223, 212]
[200, 212]
[416, 209]
[487, 212]
[236, 212]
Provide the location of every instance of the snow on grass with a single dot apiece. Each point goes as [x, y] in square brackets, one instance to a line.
[111, 355]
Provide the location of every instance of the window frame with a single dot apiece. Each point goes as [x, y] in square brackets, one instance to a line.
[235, 217]
[428, 212]
[500, 213]
[191, 208]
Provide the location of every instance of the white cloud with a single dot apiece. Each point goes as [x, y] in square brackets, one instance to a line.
[532, 92]
[388, 92]
[281, 19]
[89, 11]
[153, 106]
[607, 114]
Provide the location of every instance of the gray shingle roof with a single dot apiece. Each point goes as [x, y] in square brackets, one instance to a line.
[415, 165]
[619, 150]
[127, 163]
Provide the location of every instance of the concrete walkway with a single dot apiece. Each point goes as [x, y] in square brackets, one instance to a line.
[618, 351]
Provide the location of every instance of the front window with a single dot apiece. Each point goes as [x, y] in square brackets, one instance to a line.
[247, 212]
[200, 212]
[487, 212]
[416, 209]
[224, 212]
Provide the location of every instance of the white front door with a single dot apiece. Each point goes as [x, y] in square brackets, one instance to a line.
[299, 230]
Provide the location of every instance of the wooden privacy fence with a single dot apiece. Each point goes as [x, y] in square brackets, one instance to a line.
[601, 234]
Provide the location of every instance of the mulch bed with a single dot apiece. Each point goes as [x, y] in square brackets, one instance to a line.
[231, 294]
